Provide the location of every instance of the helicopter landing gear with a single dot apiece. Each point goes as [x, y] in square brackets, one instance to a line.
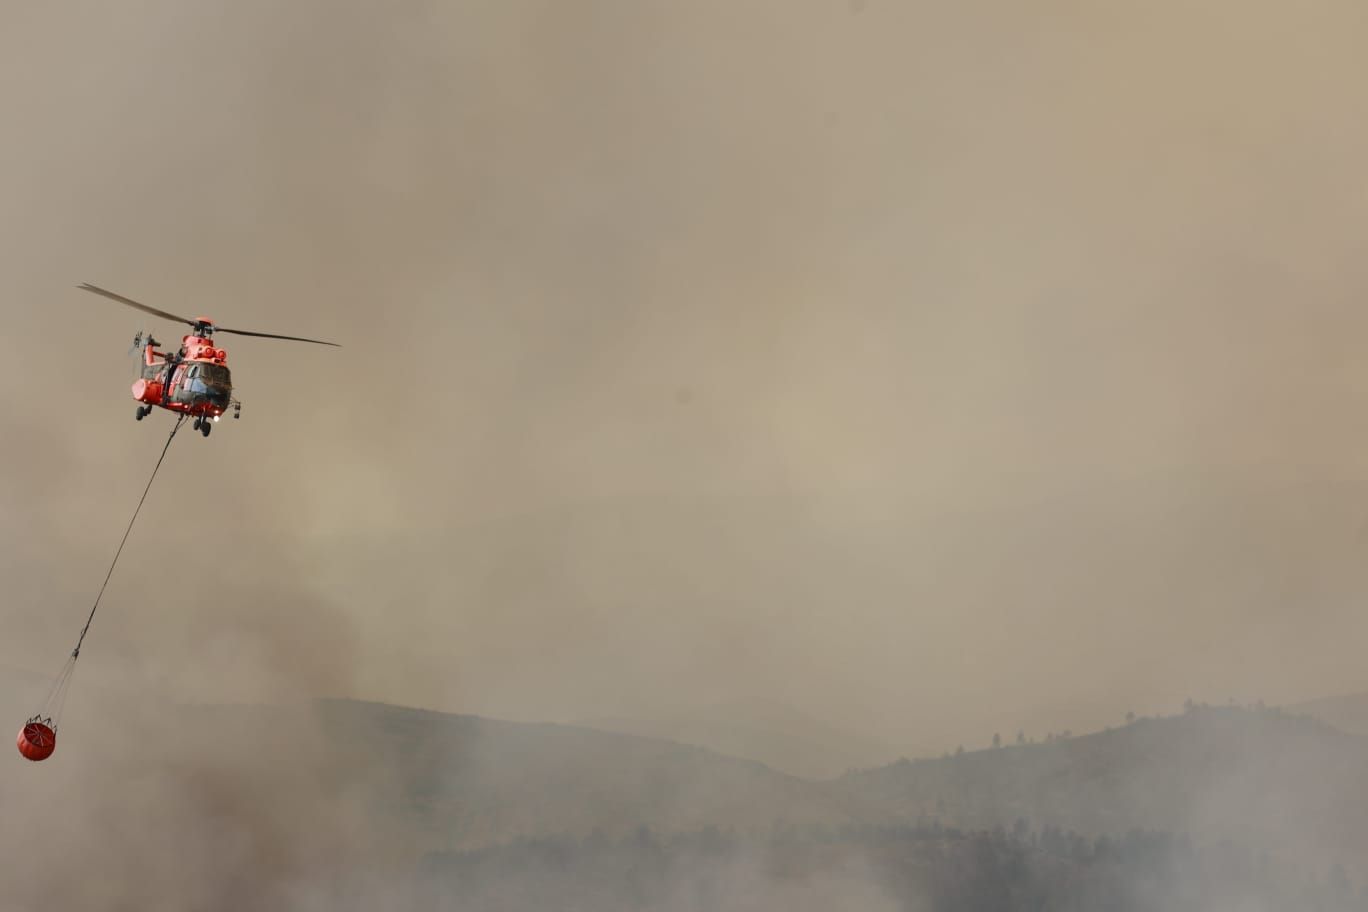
[199, 422]
[142, 412]
[205, 427]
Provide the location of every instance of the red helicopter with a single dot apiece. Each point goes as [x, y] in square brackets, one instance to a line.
[194, 381]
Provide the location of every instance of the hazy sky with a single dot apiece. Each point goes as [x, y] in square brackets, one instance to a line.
[935, 368]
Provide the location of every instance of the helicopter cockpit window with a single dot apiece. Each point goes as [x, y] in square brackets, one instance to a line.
[215, 375]
[206, 377]
[211, 381]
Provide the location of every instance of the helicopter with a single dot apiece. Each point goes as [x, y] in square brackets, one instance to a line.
[194, 381]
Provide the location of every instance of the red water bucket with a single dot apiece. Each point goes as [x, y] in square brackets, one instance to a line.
[37, 740]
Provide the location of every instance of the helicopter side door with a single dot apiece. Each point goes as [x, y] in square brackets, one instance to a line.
[176, 391]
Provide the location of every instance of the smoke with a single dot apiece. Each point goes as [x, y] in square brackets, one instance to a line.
[708, 344]
[938, 370]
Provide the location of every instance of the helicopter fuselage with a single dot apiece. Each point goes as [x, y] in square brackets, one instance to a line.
[194, 381]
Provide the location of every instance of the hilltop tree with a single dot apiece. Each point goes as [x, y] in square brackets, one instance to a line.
[997, 740]
[1130, 717]
[1021, 737]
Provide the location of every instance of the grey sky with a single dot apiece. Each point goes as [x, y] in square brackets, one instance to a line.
[938, 368]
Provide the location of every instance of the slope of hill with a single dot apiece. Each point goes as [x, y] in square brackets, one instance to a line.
[1348, 713]
[773, 734]
[332, 794]
[1286, 784]
[1282, 783]
[463, 780]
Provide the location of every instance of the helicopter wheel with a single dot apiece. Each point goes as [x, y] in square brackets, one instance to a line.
[199, 422]
[141, 413]
[205, 428]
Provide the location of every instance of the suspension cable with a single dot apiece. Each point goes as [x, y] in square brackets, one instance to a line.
[75, 653]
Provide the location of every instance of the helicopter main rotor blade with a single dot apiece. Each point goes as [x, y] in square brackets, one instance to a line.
[243, 332]
[86, 286]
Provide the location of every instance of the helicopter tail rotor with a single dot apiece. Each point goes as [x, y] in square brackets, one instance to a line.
[141, 341]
